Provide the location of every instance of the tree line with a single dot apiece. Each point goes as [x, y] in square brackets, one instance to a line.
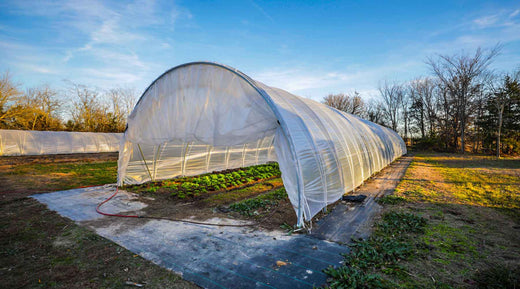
[76, 108]
[462, 106]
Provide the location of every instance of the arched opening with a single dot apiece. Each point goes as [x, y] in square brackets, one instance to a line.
[196, 119]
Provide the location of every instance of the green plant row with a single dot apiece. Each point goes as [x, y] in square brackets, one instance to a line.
[194, 186]
[391, 242]
[249, 206]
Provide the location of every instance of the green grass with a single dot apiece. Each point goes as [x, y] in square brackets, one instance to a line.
[450, 242]
[62, 176]
[390, 200]
[463, 180]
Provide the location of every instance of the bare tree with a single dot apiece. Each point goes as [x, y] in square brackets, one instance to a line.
[501, 96]
[98, 111]
[123, 101]
[89, 112]
[417, 108]
[39, 110]
[10, 97]
[392, 96]
[352, 103]
[461, 75]
[481, 99]
[428, 91]
[405, 110]
[423, 106]
[448, 121]
[374, 112]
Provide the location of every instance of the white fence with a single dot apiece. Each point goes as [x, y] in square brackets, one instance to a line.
[28, 142]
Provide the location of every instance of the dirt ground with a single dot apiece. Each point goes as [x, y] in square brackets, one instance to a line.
[215, 205]
[39, 248]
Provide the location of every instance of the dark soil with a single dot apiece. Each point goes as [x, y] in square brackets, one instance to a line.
[214, 205]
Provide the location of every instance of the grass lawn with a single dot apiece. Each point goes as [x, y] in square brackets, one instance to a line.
[40, 249]
[453, 222]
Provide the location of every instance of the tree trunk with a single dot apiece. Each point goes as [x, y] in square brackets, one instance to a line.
[423, 135]
[462, 127]
[406, 127]
[500, 112]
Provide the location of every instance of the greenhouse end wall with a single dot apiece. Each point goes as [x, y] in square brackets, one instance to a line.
[27, 142]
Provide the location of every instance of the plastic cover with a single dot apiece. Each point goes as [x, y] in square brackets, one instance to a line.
[29, 142]
[203, 117]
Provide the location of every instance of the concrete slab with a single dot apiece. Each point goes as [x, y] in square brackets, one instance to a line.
[210, 256]
[77, 204]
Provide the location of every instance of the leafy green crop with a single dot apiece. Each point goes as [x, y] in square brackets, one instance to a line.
[194, 186]
[390, 243]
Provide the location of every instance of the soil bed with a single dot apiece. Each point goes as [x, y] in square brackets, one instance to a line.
[255, 194]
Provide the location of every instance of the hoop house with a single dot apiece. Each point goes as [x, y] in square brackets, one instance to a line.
[202, 117]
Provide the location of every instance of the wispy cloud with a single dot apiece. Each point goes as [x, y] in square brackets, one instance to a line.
[38, 69]
[261, 10]
[298, 80]
[501, 18]
[311, 83]
[94, 39]
[487, 21]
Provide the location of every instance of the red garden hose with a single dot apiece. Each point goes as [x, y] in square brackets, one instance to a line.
[161, 218]
[113, 215]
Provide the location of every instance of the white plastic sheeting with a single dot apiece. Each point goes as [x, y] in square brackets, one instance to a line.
[202, 117]
[28, 142]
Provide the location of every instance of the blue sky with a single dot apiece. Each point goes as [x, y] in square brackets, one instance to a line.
[310, 48]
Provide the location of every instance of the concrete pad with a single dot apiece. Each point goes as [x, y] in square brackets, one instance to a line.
[210, 256]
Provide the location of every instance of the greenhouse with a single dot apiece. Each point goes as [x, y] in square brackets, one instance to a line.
[30, 142]
[202, 117]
